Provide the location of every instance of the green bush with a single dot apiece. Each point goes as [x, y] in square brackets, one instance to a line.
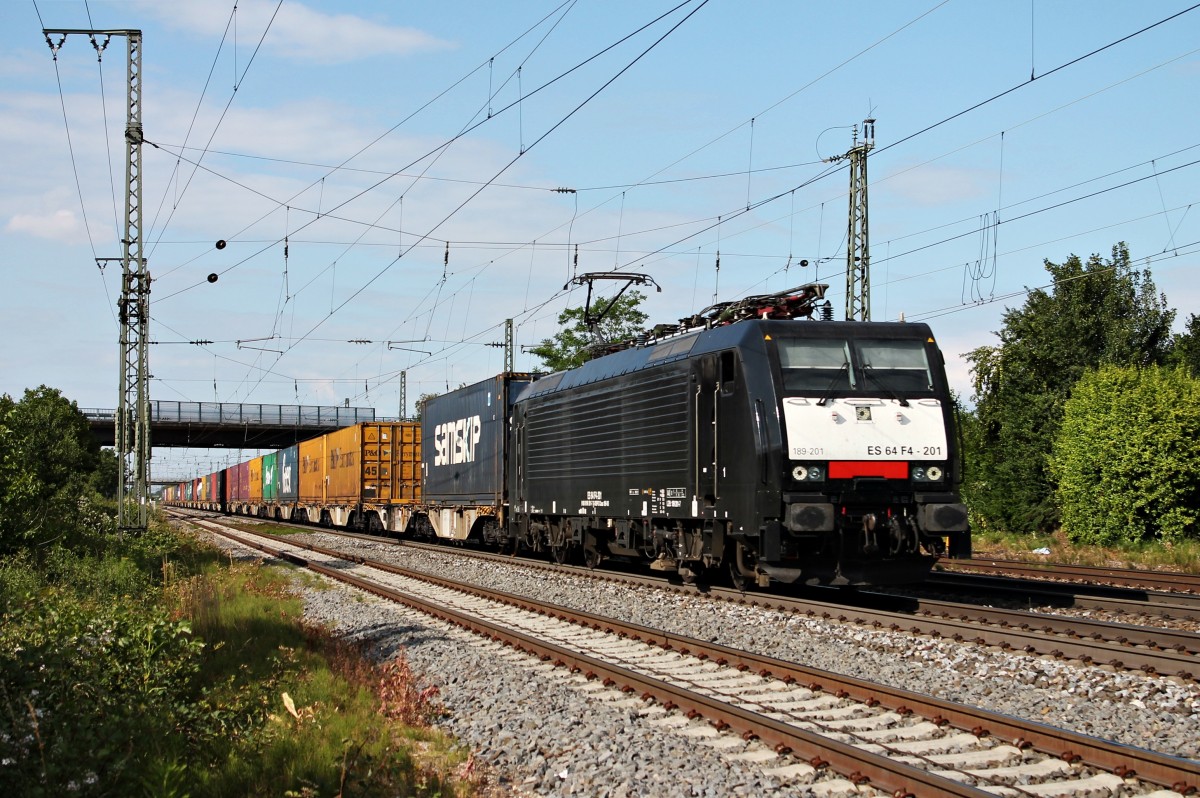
[49, 463]
[1127, 457]
[1098, 312]
[89, 693]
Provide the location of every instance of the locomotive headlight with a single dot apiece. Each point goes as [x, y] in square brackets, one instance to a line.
[931, 473]
[808, 473]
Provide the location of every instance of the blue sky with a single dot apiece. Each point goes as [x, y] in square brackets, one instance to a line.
[738, 104]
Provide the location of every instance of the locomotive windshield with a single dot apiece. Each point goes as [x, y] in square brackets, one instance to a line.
[832, 365]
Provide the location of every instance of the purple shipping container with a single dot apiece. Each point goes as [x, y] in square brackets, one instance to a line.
[239, 482]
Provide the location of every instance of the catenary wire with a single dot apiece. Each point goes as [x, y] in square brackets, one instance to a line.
[1042, 76]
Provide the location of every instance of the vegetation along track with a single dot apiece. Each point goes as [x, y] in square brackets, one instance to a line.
[1150, 649]
[900, 742]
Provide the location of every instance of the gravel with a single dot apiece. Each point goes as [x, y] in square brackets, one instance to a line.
[549, 737]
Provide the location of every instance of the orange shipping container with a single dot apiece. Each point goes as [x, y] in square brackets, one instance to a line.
[312, 470]
[256, 470]
[373, 463]
[407, 463]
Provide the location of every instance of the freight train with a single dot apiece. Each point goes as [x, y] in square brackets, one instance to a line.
[750, 440]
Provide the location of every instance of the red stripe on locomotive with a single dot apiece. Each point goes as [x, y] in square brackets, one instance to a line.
[888, 469]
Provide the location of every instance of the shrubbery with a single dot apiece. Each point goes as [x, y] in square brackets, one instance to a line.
[146, 664]
[1098, 312]
[1127, 457]
[89, 693]
[56, 485]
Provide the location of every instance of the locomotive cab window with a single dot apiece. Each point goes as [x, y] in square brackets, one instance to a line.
[900, 366]
[815, 365]
[728, 372]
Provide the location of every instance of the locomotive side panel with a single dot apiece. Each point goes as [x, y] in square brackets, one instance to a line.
[737, 396]
[618, 448]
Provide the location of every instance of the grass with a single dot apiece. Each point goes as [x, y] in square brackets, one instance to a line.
[307, 714]
[1184, 556]
[248, 524]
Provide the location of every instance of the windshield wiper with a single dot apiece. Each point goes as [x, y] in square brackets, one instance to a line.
[869, 370]
[833, 384]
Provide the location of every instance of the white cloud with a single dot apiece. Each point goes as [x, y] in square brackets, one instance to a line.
[59, 225]
[932, 185]
[297, 31]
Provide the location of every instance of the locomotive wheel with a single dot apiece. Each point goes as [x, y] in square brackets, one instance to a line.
[561, 554]
[591, 550]
[737, 579]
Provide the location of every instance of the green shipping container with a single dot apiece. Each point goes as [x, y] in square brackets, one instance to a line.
[270, 477]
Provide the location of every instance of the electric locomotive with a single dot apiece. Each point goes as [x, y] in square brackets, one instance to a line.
[750, 438]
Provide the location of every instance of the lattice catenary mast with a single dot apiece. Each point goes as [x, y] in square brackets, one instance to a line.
[133, 308]
[858, 244]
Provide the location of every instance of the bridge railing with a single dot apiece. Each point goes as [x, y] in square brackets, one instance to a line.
[255, 414]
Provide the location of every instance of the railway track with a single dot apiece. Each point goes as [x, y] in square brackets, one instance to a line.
[1100, 577]
[1067, 595]
[796, 720]
[1149, 649]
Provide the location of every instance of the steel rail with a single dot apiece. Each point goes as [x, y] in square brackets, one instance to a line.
[1178, 774]
[1185, 606]
[856, 764]
[1123, 634]
[1125, 577]
[1152, 650]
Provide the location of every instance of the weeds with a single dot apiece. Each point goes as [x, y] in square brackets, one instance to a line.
[1180, 556]
[402, 697]
[171, 670]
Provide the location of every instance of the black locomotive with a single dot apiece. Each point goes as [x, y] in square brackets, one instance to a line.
[749, 438]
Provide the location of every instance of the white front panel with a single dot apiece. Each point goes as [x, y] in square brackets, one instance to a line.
[864, 429]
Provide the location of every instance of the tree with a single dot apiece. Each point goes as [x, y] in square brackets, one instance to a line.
[47, 461]
[1185, 349]
[1127, 457]
[104, 477]
[421, 400]
[1098, 312]
[569, 346]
